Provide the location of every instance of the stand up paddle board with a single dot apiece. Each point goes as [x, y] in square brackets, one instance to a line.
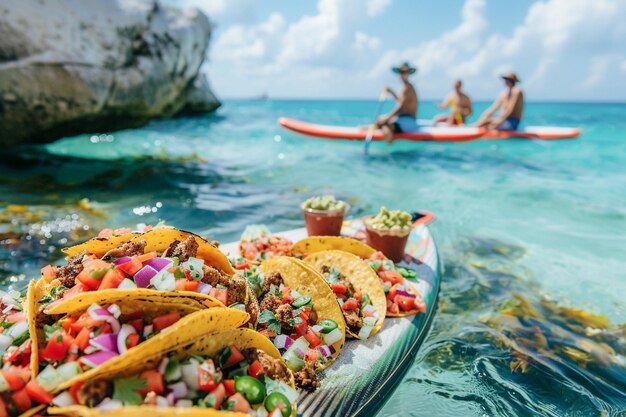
[535, 132]
[426, 133]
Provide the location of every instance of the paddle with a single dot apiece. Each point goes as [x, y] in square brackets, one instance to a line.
[370, 131]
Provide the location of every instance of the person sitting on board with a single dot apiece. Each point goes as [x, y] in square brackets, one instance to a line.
[460, 106]
[402, 118]
[511, 105]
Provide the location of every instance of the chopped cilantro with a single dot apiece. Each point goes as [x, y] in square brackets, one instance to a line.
[333, 275]
[268, 317]
[179, 273]
[125, 390]
[49, 330]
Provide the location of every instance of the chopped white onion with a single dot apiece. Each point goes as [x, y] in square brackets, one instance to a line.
[64, 399]
[109, 404]
[332, 337]
[115, 310]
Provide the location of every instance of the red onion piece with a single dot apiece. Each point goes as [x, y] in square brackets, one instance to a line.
[105, 342]
[405, 293]
[204, 288]
[158, 263]
[122, 260]
[96, 359]
[99, 313]
[144, 275]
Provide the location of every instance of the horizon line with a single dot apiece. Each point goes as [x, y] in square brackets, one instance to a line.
[481, 100]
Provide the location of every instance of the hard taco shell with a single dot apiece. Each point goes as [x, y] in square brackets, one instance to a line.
[206, 345]
[358, 273]
[307, 281]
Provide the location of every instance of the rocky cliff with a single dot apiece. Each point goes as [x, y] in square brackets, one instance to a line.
[75, 66]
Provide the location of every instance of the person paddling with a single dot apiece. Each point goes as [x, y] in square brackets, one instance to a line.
[403, 117]
[460, 106]
[511, 105]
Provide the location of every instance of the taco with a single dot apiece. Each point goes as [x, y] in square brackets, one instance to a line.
[257, 243]
[401, 297]
[82, 345]
[357, 289]
[162, 259]
[236, 370]
[16, 346]
[300, 314]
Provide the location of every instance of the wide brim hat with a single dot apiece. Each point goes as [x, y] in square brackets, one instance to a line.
[405, 67]
[510, 76]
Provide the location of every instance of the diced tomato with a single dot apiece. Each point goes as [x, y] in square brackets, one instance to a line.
[206, 380]
[19, 356]
[123, 230]
[301, 328]
[255, 369]
[185, 285]
[392, 308]
[229, 385]
[391, 294]
[147, 228]
[85, 322]
[392, 276]
[305, 313]
[311, 356]
[350, 304]
[154, 382]
[237, 402]
[234, 357]
[86, 279]
[368, 314]
[95, 263]
[131, 267]
[37, 393]
[132, 340]
[405, 303]
[105, 233]
[419, 304]
[137, 324]
[13, 378]
[220, 392]
[312, 338]
[3, 409]
[74, 391]
[81, 341]
[377, 256]
[242, 266]
[165, 320]
[112, 279]
[358, 296]
[22, 400]
[49, 272]
[57, 347]
[286, 299]
[221, 294]
[76, 289]
[267, 333]
[66, 323]
[146, 256]
[338, 288]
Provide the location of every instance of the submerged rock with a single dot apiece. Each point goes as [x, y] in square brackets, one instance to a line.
[75, 66]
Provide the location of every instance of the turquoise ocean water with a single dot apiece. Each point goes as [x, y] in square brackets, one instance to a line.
[532, 233]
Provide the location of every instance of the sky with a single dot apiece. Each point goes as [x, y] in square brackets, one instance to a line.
[569, 50]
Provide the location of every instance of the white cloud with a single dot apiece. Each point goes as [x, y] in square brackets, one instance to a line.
[364, 42]
[562, 49]
[376, 7]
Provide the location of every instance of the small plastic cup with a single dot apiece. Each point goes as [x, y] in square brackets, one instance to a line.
[391, 243]
[324, 222]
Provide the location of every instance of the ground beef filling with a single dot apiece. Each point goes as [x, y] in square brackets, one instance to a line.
[132, 248]
[272, 368]
[67, 274]
[306, 378]
[272, 279]
[353, 320]
[92, 393]
[236, 287]
[185, 249]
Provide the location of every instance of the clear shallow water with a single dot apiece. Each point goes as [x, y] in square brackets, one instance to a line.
[520, 224]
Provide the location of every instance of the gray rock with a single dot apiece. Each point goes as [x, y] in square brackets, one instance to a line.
[75, 66]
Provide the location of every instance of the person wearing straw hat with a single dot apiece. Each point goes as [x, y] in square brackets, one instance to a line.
[403, 116]
[510, 103]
